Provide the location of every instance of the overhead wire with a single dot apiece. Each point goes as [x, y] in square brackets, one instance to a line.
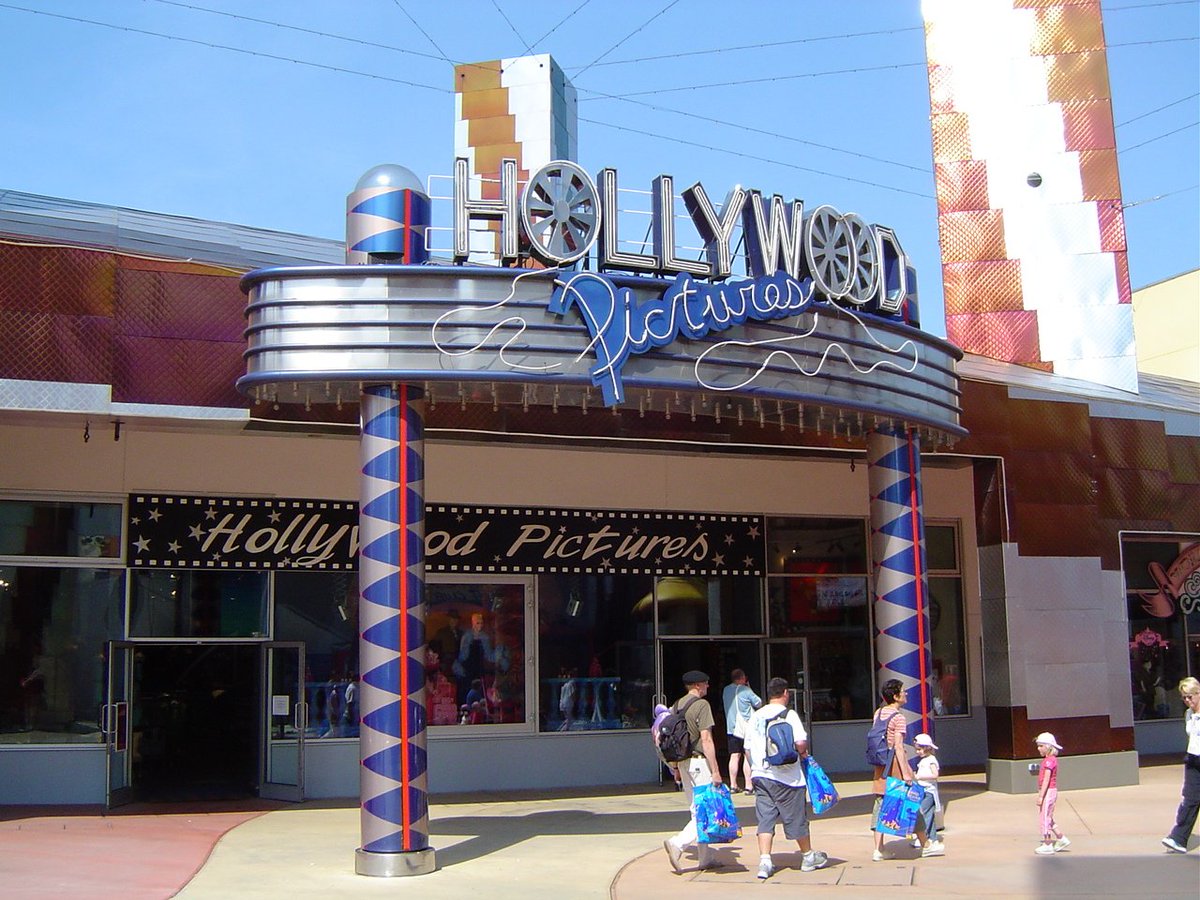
[1158, 109]
[1158, 137]
[762, 46]
[774, 134]
[312, 31]
[765, 159]
[508, 22]
[428, 37]
[627, 37]
[216, 46]
[560, 23]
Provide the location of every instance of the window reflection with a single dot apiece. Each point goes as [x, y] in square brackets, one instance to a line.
[186, 603]
[596, 647]
[475, 658]
[54, 623]
[60, 528]
[321, 609]
[718, 605]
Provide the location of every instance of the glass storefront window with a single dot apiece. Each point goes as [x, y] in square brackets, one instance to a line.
[475, 659]
[816, 546]
[721, 605]
[196, 603]
[54, 623]
[833, 614]
[1162, 595]
[596, 652]
[321, 609]
[60, 529]
[948, 641]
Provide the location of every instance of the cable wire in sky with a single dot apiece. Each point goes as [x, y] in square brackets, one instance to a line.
[765, 159]
[325, 34]
[215, 46]
[428, 37]
[697, 87]
[1158, 109]
[753, 130]
[560, 23]
[827, 37]
[627, 37]
[508, 22]
[1158, 137]
[1159, 197]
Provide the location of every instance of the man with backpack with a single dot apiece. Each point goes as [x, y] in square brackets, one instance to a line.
[685, 740]
[776, 743]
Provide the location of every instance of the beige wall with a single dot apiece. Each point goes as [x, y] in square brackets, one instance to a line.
[1166, 321]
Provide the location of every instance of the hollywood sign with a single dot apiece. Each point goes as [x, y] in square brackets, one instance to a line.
[563, 213]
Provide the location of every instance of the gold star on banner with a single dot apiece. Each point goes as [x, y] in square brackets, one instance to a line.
[210, 514]
[142, 543]
[196, 531]
[173, 546]
[155, 515]
[274, 516]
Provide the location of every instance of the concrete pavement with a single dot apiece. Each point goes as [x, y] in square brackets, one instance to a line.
[595, 844]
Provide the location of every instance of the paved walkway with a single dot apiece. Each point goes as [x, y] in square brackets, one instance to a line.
[596, 845]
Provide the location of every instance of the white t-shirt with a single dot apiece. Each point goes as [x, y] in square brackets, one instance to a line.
[1191, 722]
[756, 746]
[927, 773]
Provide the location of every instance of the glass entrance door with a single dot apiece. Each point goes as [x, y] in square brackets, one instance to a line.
[116, 721]
[285, 721]
[788, 658]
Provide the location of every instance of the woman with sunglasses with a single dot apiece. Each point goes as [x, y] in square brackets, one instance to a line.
[1185, 819]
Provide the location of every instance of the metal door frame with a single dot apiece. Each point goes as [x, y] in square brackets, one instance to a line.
[116, 721]
[801, 696]
[271, 790]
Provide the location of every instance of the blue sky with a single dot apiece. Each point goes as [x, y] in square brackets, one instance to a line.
[822, 101]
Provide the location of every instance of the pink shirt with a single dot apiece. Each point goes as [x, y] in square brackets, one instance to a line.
[1049, 765]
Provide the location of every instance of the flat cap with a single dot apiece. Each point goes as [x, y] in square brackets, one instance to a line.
[695, 676]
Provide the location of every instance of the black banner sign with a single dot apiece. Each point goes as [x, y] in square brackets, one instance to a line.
[473, 539]
[241, 533]
[168, 531]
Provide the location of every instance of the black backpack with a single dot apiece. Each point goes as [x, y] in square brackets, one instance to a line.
[673, 741]
[781, 741]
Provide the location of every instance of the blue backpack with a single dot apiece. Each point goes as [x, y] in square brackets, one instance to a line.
[877, 745]
[781, 741]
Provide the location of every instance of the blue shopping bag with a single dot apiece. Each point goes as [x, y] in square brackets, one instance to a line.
[899, 807]
[716, 818]
[821, 792]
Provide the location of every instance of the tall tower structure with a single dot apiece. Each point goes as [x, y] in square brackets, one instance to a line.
[1029, 199]
[522, 108]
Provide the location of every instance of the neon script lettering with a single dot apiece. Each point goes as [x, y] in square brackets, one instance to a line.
[622, 326]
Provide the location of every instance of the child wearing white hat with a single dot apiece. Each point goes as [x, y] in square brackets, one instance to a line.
[1053, 840]
[927, 777]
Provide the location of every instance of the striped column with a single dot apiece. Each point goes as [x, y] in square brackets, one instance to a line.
[393, 794]
[901, 603]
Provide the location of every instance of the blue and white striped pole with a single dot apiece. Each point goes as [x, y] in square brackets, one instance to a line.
[393, 786]
[901, 603]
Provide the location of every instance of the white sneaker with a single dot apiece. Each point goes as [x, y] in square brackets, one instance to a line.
[1171, 844]
[673, 854]
[766, 869]
[814, 859]
[933, 848]
[916, 843]
[1062, 843]
[1044, 849]
[878, 856]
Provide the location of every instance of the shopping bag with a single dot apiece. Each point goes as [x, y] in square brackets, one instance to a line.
[716, 818]
[821, 792]
[899, 807]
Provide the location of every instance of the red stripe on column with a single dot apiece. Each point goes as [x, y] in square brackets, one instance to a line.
[913, 500]
[402, 434]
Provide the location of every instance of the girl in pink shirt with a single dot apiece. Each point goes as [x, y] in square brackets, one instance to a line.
[1053, 840]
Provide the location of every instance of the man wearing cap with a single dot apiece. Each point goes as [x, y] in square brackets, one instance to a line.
[698, 770]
